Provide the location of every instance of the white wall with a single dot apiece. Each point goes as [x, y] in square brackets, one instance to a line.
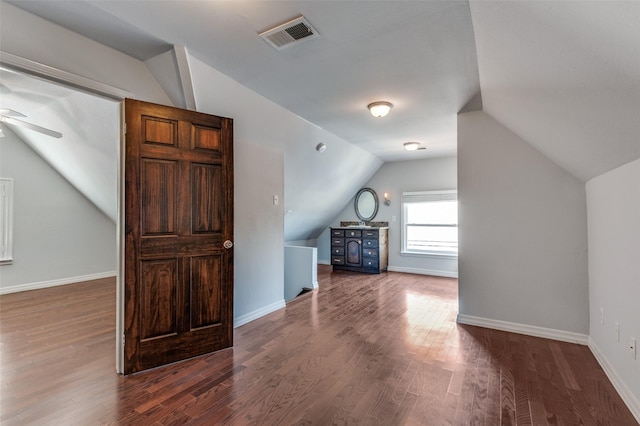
[316, 185]
[396, 178]
[300, 269]
[275, 156]
[613, 208]
[59, 236]
[258, 232]
[523, 232]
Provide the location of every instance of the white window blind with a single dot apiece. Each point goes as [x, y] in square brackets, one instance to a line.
[430, 222]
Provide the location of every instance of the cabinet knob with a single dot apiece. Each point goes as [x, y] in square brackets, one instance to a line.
[227, 244]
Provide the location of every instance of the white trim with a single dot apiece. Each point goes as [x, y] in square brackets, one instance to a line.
[6, 221]
[529, 330]
[246, 318]
[120, 241]
[184, 71]
[419, 271]
[436, 195]
[431, 254]
[625, 393]
[64, 77]
[57, 282]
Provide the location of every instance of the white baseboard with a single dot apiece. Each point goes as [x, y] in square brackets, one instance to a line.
[529, 330]
[627, 396]
[436, 273]
[54, 283]
[242, 320]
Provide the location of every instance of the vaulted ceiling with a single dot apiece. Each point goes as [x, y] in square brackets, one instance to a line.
[564, 76]
[420, 56]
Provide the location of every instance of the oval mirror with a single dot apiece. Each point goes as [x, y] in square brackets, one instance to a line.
[366, 204]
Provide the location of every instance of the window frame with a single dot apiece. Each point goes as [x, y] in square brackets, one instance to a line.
[440, 195]
[6, 221]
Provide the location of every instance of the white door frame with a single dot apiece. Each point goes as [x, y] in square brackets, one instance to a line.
[17, 63]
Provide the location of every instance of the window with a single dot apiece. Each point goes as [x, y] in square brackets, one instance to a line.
[6, 221]
[430, 223]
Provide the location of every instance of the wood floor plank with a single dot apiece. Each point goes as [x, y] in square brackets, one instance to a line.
[362, 349]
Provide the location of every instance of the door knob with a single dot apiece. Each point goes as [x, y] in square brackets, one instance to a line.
[227, 244]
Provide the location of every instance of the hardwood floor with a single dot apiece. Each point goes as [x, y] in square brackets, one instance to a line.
[363, 349]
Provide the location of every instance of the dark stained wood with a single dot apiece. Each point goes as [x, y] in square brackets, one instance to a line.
[360, 249]
[178, 212]
[362, 349]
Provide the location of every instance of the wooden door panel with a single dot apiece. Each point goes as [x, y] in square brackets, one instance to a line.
[180, 246]
[205, 203]
[178, 213]
[206, 138]
[158, 204]
[160, 131]
[206, 274]
[158, 298]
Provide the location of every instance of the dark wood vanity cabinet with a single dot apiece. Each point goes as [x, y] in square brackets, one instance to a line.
[359, 249]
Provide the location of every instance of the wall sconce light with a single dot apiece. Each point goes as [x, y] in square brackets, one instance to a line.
[387, 200]
[380, 108]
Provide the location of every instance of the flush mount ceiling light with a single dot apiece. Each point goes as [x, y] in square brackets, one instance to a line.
[380, 108]
[411, 146]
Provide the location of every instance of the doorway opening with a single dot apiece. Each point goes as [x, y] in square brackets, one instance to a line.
[86, 160]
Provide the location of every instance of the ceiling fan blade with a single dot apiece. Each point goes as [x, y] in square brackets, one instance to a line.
[10, 113]
[30, 126]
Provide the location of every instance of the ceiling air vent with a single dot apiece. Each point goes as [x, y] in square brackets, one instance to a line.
[289, 33]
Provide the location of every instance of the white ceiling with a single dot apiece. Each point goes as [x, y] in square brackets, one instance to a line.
[418, 55]
[565, 76]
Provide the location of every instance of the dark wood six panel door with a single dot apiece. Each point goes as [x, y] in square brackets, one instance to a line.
[178, 216]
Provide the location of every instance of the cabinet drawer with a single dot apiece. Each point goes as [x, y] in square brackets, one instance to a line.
[337, 232]
[353, 233]
[370, 263]
[337, 260]
[337, 251]
[337, 241]
[370, 253]
[370, 243]
[370, 234]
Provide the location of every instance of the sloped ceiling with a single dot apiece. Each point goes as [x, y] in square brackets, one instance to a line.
[418, 55]
[87, 153]
[565, 76]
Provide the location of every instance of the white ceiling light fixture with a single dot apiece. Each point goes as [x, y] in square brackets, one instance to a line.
[412, 146]
[380, 108]
[321, 147]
